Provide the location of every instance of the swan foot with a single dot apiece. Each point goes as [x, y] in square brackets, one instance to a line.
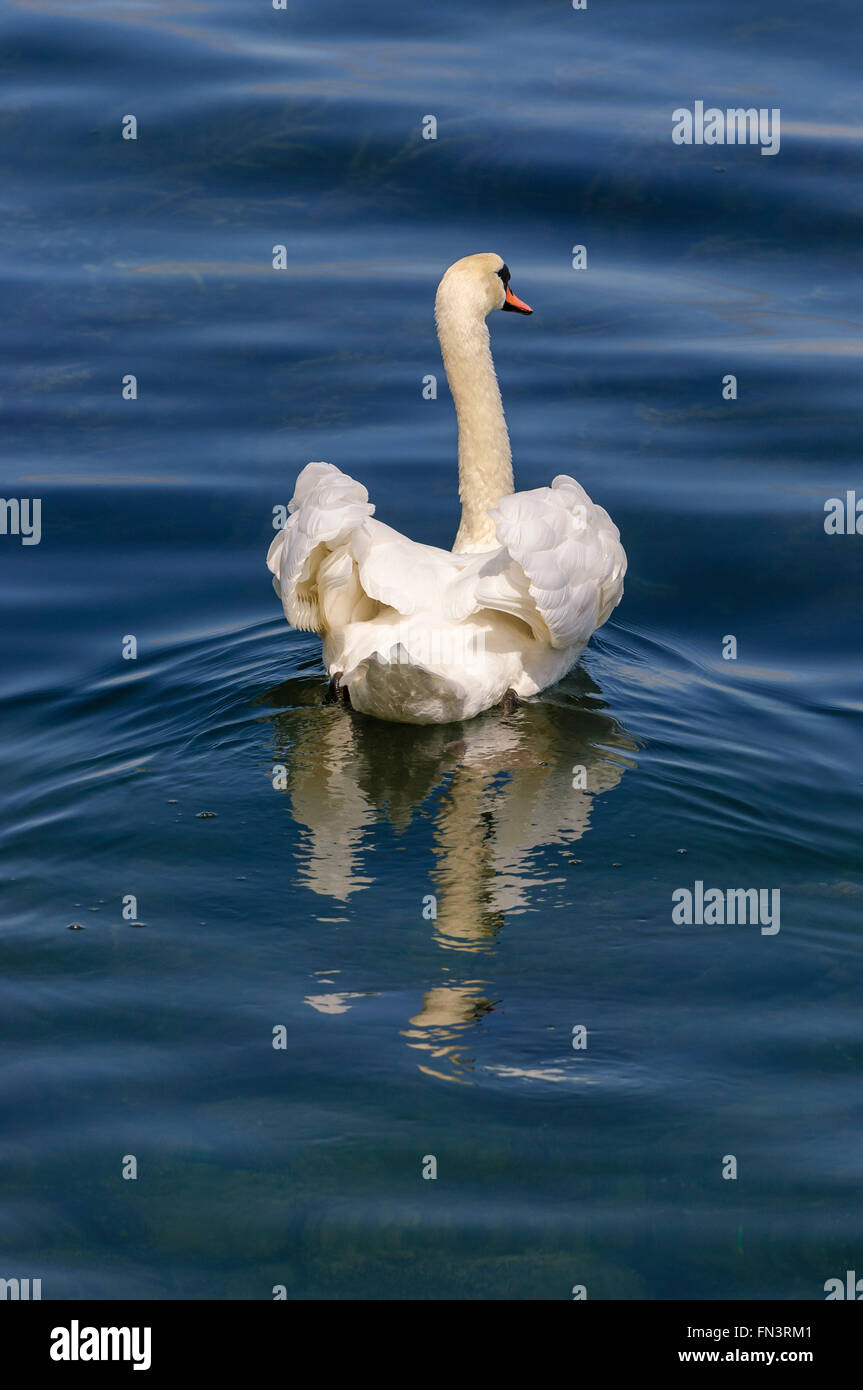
[510, 702]
[337, 694]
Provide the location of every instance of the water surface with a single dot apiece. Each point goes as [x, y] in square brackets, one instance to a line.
[304, 905]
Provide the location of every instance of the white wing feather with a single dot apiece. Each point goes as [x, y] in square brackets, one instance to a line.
[332, 563]
[566, 562]
[559, 568]
[324, 512]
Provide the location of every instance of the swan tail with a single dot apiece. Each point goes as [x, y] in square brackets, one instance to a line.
[392, 685]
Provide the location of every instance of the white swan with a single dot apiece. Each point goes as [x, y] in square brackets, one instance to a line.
[426, 636]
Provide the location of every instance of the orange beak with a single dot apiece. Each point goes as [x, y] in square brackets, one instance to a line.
[514, 304]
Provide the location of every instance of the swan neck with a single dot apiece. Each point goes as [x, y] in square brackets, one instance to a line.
[484, 455]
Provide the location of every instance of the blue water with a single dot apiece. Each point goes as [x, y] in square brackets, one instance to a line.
[302, 905]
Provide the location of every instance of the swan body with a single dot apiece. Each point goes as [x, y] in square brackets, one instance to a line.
[421, 635]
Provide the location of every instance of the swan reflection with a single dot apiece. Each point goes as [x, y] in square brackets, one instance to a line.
[493, 793]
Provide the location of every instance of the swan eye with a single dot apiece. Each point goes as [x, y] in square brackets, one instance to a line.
[504, 274]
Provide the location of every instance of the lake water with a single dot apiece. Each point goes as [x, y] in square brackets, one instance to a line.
[301, 906]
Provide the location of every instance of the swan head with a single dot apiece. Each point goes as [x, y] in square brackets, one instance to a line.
[475, 285]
